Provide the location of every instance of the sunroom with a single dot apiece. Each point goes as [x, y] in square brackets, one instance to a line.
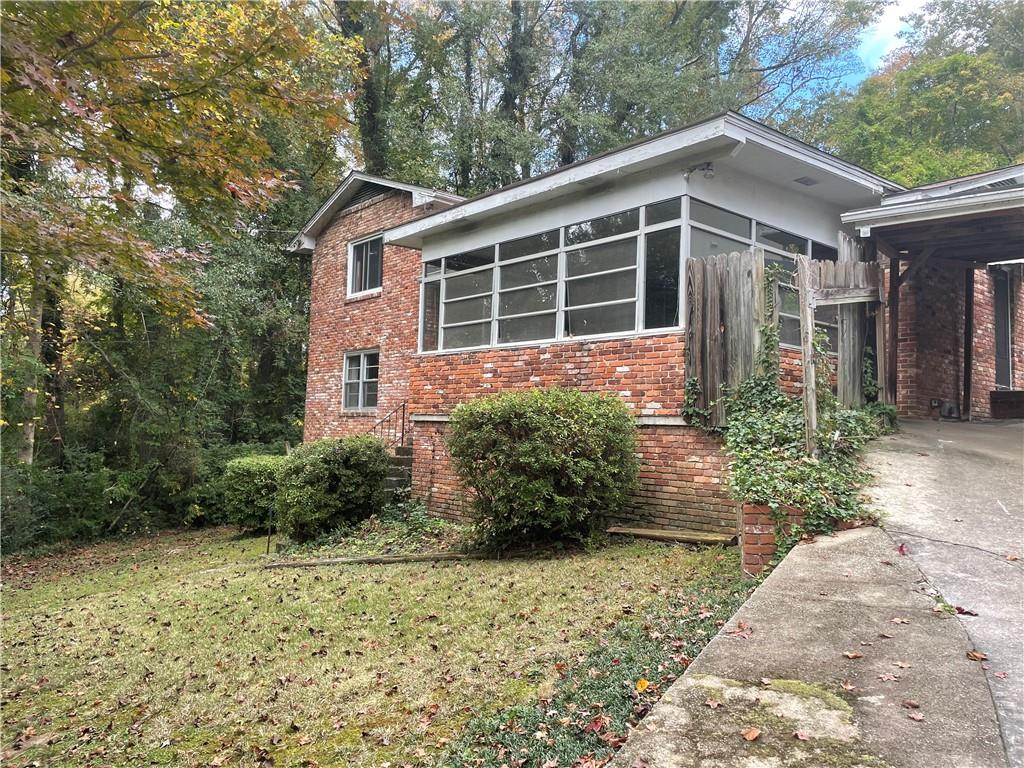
[596, 250]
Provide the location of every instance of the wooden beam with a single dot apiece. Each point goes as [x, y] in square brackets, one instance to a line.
[916, 264]
[685, 536]
[965, 409]
[829, 296]
[806, 296]
[894, 330]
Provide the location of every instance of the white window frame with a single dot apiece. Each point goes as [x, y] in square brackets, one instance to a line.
[350, 292]
[360, 355]
[561, 280]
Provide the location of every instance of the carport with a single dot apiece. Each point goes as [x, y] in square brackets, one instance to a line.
[949, 342]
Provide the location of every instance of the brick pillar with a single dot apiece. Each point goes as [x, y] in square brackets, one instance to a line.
[757, 538]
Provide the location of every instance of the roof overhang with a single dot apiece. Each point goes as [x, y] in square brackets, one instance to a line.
[1000, 178]
[305, 240]
[723, 136]
[894, 213]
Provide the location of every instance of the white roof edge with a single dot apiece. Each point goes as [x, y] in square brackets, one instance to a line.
[955, 186]
[933, 208]
[305, 240]
[731, 126]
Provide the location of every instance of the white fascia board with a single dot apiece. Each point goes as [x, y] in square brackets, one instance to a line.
[927, 210]
[827, 163]
[411, 234]
[956, 187]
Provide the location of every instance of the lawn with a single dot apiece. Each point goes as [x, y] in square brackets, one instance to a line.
[182, 649]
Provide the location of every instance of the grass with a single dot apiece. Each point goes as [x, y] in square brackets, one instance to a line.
[181, 650]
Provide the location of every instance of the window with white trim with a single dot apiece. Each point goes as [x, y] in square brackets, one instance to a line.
[365, 266]
[715, 230]
[609, 275]
[362, 370]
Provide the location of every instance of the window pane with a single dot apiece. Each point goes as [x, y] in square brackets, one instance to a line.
[466, 310]
[789, 330]
[374, 264]
[827, 314]
[661, 279]
[706, 244]
[431, 313]
[785, 241]
[718, 218]
[789, 301]
[352, 368]
[621, 253]
[468, 285]
[667, 210]
[467, 336]
[370, 394]
[469, 260]
[524, 246]
[532, 299]
[527, 272]
[431, 268]
[605, 226]
[527, 328]
[358, 268]
[789, 265]
[821, 252]
[594, 290]
[371, 361]
[616, 318]
[352, 394]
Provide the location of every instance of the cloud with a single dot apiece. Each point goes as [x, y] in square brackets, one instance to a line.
[882, 37]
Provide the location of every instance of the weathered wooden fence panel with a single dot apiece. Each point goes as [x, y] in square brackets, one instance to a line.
[725, 310]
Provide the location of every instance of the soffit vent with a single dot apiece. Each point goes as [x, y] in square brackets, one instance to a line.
[807, 181]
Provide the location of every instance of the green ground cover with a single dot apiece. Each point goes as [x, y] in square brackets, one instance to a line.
[182, 650]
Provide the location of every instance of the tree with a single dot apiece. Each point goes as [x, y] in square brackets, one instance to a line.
[112, 107]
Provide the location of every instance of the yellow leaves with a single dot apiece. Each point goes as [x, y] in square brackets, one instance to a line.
[642, 685]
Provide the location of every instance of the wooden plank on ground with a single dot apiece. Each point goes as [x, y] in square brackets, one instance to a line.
[682, 535]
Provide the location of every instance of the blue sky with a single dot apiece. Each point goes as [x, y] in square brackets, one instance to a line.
[882, 37]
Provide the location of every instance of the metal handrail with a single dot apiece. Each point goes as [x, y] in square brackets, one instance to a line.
[392, 427]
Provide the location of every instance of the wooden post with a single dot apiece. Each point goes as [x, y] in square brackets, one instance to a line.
[965, 410]
[806, 296]
[894, 328]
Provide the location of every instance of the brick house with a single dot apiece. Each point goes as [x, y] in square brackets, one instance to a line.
[421, 300]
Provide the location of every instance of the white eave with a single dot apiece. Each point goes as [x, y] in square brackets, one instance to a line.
[719, 136]
[1001, 178]
[892, 214]
[305, 240]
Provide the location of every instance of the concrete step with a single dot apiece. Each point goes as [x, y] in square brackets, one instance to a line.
[403, 450]
[401, 461]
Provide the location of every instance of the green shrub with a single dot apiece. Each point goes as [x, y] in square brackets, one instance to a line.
[543, 464]
[329, 484]
[249, 487]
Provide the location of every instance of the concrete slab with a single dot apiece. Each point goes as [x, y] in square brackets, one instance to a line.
[953, 493]
[839, 595]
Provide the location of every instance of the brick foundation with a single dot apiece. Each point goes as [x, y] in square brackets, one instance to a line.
[757, 535]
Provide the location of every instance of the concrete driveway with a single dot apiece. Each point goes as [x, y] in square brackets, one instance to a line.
[953, 493]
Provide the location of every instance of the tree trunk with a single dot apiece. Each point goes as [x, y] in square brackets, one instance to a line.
[30, 399]
[53, 360]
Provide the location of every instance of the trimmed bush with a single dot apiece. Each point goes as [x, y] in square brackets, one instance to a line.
[249, 487]
[330, 484]
[544, 464]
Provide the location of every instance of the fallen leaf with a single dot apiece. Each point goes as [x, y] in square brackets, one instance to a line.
[853, 655]
[642, 684]
[742, 630]
[977, 656]
[902, 664]
[713, 703]
[965, 611]
[902, 549]
[899, 620]
[911, 704]
[800, 735]
[846, 685]
[750, 733]
[916, 716]
[888, 677]
[1011, 558]
[885, 635]
[766, 681]
[1000, 675]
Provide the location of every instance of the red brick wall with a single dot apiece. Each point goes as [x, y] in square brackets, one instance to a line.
[931, 346]
[386, 320]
